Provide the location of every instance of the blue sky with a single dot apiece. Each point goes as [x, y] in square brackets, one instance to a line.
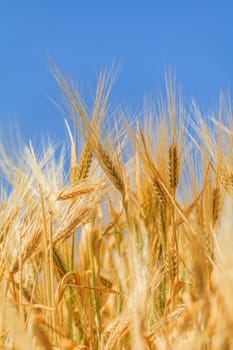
[194, 38]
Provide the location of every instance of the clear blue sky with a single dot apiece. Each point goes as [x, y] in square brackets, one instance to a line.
[195, 38]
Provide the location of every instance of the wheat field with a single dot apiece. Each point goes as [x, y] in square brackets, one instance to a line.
[132, 248]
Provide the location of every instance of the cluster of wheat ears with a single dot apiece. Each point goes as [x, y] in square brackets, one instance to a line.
[134, 248]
